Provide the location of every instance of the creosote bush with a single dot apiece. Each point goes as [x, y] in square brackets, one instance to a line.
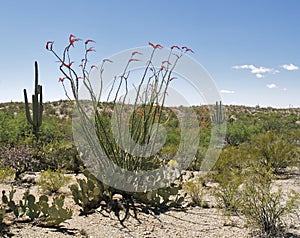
[227, 192]
[248, 190]
[274, 151]
[263, 207]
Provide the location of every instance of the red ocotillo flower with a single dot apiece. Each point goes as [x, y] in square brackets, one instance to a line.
[49, 45]
[90, 49]
[136, 52]
[107, 60]
[94, 66]
[73, 39]
[175, 46]
[166, 62]
[162, 67]
[172, 78]
[187, 49]
[133, 60]
[88, 41]
[155, 46]
[151, 44]
[139, 112]
[71, 36]
[69, 64]
[61, 79]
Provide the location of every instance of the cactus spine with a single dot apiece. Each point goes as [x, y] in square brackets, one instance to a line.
[219, 116]
[37, 105]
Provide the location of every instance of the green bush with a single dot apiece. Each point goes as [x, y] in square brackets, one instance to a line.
[239, 132]
[52, 181]
[61, 155]
[264, 208]
[13, 127]
[6, 174]
[273, 151]
[227, 192]
[195, 189]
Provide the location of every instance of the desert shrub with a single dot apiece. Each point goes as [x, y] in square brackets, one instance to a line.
[273, 151]
[55, 129]
[227, 173]
[195, 190]
[6, 173]
[52, 181]
[61, 155]
[227, 192]
[232, 158]
[20, 158]
[272, 122]
[264, 208]
[200, 155]
[239, 132]
[13, 127]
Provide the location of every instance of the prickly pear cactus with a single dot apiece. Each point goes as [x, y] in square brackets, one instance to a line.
[162, 197]
[38, 211]
[88, 193]
[56, 214]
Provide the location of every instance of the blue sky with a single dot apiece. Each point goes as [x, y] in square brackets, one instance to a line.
[250, 48]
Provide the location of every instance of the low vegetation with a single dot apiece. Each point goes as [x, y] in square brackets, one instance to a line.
[254, 138]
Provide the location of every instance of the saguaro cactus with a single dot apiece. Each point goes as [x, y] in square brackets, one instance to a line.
[219, 116]
[37, 105]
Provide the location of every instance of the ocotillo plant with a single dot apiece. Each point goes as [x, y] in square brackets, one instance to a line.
[37, 105]
[219, 116]
[133, 139]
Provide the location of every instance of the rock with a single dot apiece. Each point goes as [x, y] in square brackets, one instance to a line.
[232, 118]
[117, 197]
[29, 178]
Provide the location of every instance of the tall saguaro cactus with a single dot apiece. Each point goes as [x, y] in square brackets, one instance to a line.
[37, 105]
[218, 117]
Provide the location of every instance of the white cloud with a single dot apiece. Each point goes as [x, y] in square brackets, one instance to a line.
[271, 86]
[284, 89]
[226, 91]
[290, 67]
[259, 76]
[258, 71]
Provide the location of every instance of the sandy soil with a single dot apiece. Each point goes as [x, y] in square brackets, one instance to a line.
[188, 222]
